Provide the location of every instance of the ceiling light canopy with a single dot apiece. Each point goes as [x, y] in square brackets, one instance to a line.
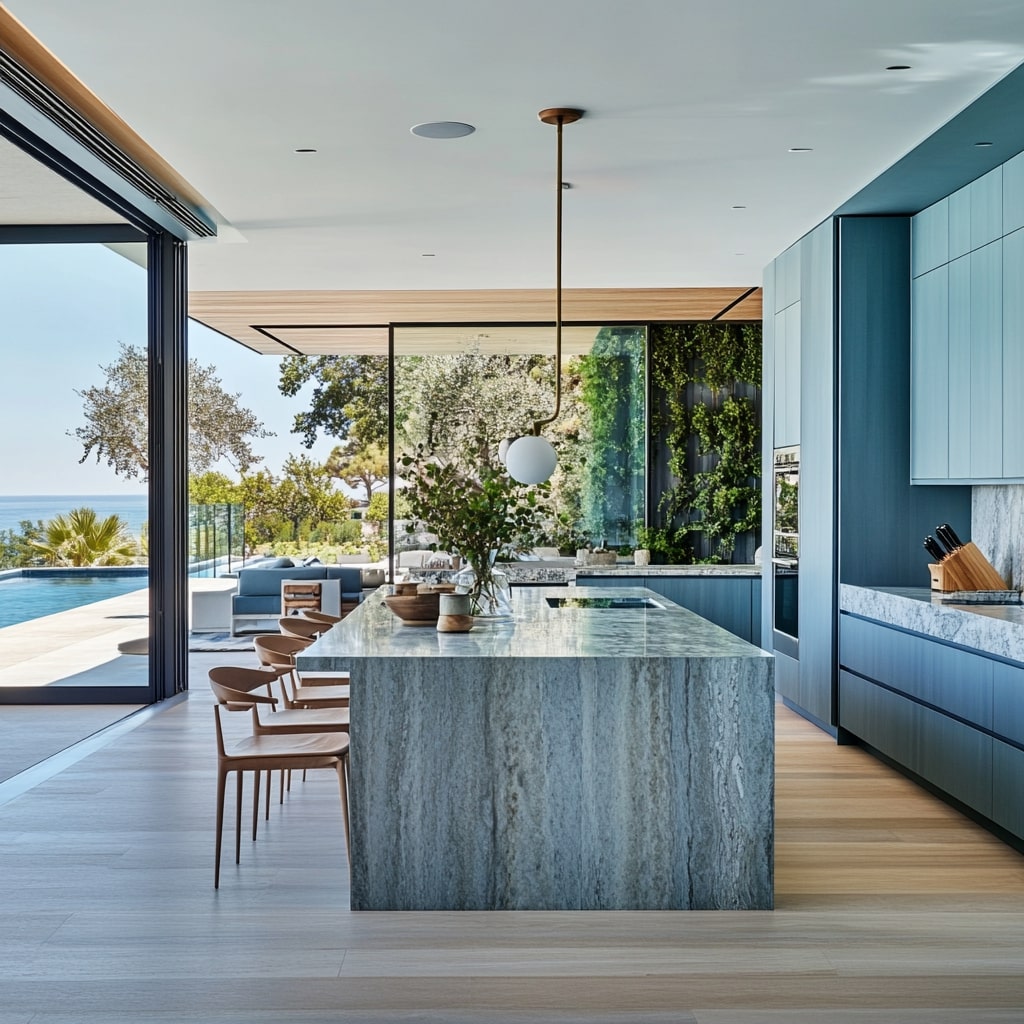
[532, 459]
[442, 129]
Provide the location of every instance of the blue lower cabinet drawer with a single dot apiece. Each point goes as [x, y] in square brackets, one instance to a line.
[1008, 787]
[953, 680]
[1008, 702]
[949, 754]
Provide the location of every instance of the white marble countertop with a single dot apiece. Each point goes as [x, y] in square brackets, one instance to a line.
[536, 630]
[992, 629]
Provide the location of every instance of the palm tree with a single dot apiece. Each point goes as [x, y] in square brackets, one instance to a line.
[81, 538]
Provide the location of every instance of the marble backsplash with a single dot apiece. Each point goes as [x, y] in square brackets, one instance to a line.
[997, 527]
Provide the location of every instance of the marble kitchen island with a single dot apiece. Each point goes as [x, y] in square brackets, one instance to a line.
[572, 757]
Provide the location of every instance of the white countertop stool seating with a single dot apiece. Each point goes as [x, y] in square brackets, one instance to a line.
[269, 751]
[278, 652]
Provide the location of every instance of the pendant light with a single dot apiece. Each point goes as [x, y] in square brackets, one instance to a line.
[531, 459]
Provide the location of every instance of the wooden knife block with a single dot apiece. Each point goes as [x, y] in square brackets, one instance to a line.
[965, 569]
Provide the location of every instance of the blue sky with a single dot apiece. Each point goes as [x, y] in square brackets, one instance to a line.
[63, 311]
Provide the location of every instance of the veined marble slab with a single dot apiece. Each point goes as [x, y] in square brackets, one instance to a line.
[568, 758]
[993, 629]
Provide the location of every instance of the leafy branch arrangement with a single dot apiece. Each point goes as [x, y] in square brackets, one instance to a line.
[474, 512]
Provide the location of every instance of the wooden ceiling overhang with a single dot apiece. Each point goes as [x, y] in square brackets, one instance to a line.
[280, 323]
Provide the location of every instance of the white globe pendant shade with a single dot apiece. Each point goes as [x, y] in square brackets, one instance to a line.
[530, 459]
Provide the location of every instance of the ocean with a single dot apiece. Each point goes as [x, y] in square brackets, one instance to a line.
[132, 508]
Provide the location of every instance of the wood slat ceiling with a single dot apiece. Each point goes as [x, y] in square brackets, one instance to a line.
[333, 322]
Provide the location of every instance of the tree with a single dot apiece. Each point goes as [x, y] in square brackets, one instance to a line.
[117, 427]
[213, 488]
[16, 548]
[350, 396]
[359, 466]
[81, 538]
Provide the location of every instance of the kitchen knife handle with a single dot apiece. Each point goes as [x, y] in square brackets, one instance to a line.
[951, 533]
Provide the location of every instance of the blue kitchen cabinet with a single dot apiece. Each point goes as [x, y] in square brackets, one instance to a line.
[929, 376]
[732, 602]
[959, 205]
[1013, 354]
[953, 717]
[986, 387]
[1013, 194]
[929, 239]
[986, 208]
[959, 372]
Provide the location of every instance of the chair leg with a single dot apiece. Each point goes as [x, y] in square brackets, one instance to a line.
[238, 818]
[222, 780]
[255, 803]
[270, 776]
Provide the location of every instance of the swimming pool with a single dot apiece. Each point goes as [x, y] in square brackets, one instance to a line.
[25, 597]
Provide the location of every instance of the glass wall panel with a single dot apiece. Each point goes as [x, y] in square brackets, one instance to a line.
[460, 391]
[74, 600]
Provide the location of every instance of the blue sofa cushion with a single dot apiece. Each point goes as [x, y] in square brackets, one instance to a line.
[253, 582]
[351, 581]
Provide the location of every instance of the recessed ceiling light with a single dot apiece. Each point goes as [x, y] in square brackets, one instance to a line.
[305, 150]
[739, 207]
[800, 149]
[442, 129]
[898, 67]
[983, 144]
[428, 253]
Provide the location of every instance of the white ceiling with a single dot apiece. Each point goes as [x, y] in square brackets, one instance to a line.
[691, 110]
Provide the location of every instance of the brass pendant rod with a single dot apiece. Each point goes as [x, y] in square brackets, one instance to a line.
[558, 117]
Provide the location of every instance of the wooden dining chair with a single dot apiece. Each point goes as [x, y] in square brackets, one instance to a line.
[302, 626]
[318, 616]
[269, 751]
[233, 684]
[278, 652]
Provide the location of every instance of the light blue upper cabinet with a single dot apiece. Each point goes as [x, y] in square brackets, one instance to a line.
[960, 356]
[787, 376]
[986, 208]
[1013, 194]
[929, 376]
[1013, 354]
[929, 238]
[787, 278]
[959, 205]
[986, 387]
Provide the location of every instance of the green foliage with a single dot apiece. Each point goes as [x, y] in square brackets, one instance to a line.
[377, 511]
[712, 436]
[212, 488]
[81, 538]
[117, 422]
[612, 392]
[16, 548]
[359, 465]
[349, 397]
[473, 512]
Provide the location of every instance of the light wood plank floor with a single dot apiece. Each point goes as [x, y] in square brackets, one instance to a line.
[890, 908]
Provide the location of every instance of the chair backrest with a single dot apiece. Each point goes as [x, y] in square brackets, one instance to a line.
[318, 616]
[233, 684]
[300, 626]
[274, 649]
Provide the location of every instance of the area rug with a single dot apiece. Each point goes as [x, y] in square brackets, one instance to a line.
[219, 642]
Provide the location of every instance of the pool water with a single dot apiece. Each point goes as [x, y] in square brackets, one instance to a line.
[23, 597]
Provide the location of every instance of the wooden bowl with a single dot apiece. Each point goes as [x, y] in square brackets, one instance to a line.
[415, 609]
